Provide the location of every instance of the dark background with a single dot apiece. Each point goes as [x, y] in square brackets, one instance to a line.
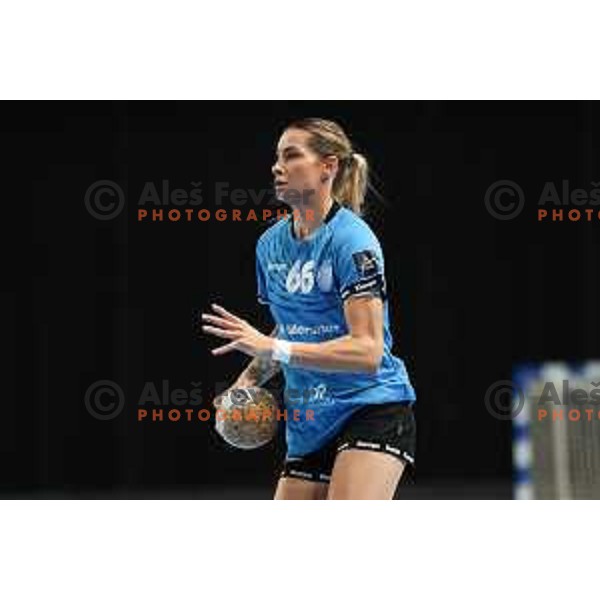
[85, 300]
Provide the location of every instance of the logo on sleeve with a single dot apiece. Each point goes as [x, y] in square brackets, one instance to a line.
[365, 263]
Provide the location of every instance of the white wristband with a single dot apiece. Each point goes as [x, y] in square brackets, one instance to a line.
[282, 351]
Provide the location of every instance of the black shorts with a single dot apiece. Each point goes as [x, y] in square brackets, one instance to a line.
[389, 428]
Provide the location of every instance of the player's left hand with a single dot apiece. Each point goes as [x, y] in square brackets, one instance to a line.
[243, 336]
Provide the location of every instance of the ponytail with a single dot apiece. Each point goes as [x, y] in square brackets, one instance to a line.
[350, 184]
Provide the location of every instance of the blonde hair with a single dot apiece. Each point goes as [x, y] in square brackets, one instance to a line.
[328, 138]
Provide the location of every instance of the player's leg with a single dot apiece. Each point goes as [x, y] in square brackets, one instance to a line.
[377, 443]
[292, 488]
[306, 477]
[364, 475]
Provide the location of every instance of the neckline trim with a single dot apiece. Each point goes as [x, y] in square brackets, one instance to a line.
[333, 209]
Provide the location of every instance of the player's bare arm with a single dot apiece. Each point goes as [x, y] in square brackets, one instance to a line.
[260, 370]
[358, 351]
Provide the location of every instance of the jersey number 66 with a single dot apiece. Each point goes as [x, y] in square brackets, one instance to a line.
[301, 277]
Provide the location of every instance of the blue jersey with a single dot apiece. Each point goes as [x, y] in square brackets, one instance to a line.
[305, 283]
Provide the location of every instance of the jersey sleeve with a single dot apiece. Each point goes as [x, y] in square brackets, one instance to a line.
[261, 283]
[359, 264]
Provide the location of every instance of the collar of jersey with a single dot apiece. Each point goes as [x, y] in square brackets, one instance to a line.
[333, 210]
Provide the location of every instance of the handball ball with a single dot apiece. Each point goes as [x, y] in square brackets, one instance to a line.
[246, 418]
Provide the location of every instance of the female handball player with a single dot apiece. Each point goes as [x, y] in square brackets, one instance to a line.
[321, 271]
